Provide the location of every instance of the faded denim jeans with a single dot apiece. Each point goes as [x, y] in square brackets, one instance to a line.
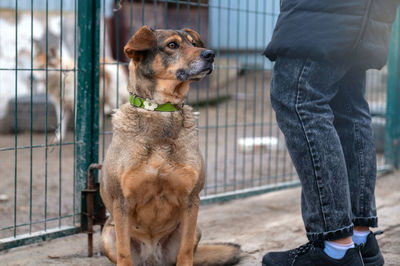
[322, 111]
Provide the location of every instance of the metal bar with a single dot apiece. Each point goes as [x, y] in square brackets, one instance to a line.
[31, 126]
[236, 101]
[188, 12]
[117, 14]
[130, 20]
[242, 193]
[36, 237]
[61, 118]
[42, 221]
[392, 139]
[226, 108]
[197, 84]
[39, 146]
[88, 95]
[126, 63]
[213, 6]
[254, 98]
[103, 84]
[245, 90]
[16, 122]
[155, 14]
[186, 25]
[178, 12]
[166, 15]
[262, 101]
[207, 104]
[90, 202]
[245, 183]
[222, 51]
[142, 12]
[46, 122]
[217, 104]
[37, 69]
[74, 115]
[269, 169]
[205, 190]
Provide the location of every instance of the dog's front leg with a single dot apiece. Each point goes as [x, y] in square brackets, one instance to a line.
[123, 236]
[188, 229]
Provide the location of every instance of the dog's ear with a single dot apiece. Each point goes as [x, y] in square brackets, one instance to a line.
[196, 36]
[143, 40]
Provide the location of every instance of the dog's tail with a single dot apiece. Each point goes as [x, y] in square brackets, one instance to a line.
[219, 254]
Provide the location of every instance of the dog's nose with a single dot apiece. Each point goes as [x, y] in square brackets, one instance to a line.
[208, 55]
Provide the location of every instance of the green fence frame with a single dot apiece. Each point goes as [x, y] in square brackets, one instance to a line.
[392, 145]
[88, 96]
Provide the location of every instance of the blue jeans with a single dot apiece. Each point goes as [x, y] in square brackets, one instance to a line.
[322, 111]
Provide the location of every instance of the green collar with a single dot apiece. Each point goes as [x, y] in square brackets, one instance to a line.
[148, 105]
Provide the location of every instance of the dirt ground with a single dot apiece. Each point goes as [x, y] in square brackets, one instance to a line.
[268, 222]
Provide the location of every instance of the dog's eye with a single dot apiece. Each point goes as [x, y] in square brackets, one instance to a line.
[172, 45]
[194, 44]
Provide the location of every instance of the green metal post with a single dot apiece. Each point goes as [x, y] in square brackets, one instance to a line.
[87, 114]
[392, 145]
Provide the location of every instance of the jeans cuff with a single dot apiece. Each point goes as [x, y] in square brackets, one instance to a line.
[366, 221]
[331, 235]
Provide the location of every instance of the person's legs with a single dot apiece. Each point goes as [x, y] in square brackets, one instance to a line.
[300, 94]
[353, 125]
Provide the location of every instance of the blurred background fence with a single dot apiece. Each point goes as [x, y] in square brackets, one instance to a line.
[63, 71]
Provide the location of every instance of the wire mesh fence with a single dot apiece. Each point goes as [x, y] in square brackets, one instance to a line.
[52, 64]
[37, 155]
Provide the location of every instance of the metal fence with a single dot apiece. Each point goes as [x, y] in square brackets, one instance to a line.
[63, 71]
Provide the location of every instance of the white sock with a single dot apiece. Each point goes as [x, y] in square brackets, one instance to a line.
[335, 250]
[360, 237]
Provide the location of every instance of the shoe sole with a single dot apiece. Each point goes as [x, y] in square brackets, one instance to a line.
[376, 260]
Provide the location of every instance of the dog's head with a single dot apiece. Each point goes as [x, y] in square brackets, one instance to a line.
[164, 62]
[42, 61]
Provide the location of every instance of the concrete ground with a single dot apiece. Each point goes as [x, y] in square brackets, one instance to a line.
[268, 222]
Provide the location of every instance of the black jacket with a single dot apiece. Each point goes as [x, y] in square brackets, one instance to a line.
[334, 30]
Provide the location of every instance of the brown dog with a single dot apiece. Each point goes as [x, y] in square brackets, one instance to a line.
[153, 170]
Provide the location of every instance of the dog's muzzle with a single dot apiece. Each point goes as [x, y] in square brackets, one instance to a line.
[198, 69]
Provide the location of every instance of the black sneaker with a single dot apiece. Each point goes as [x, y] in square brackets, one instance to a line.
[311, 254]
[370, 252]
